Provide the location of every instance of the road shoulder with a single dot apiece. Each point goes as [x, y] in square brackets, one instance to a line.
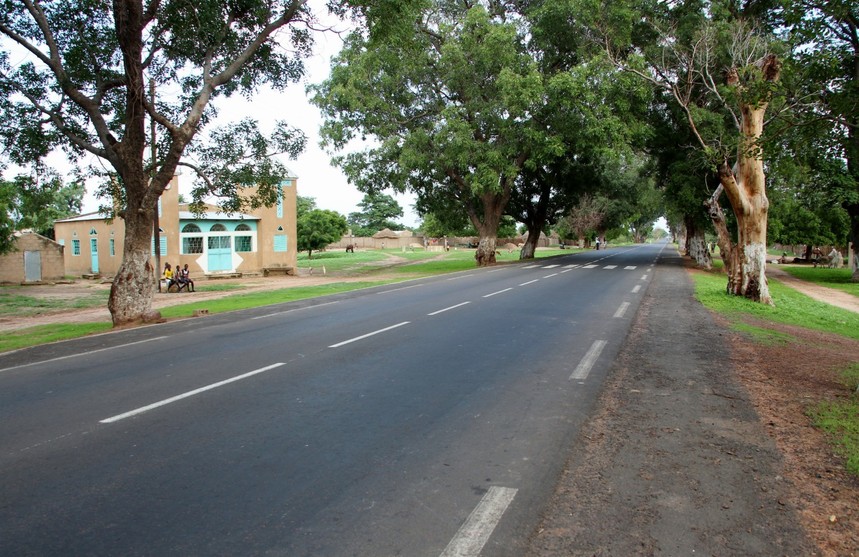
[675, 461]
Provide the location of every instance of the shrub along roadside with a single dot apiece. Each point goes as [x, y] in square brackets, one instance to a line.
[839, 418]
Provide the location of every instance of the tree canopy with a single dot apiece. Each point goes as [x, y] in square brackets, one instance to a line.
[132, 84]
[28, 203]
[378, 212]
[319, 227]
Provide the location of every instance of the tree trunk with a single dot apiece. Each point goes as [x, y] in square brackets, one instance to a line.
[853, 170]
[528, 248]
[746, 190]
[493, 208]
[727, 249]
[135, 282]
[530, 245]
[696, 245]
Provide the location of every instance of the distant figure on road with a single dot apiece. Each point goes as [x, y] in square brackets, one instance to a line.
[598, 243]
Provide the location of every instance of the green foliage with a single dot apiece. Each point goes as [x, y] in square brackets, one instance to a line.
[378, 212]
[83, 86]
[451, 107]
[28, 203]
[318, 228]
[304, 205]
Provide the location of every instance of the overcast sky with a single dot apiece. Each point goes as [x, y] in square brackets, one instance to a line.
[316, 177]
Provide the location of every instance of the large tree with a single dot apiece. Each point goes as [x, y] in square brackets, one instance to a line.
[319, 227]
[827, 49]
[721, 72]
[377, 212]
[85, 87]
[450, 105]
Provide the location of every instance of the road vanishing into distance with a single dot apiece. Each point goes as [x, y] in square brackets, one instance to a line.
[431, 417]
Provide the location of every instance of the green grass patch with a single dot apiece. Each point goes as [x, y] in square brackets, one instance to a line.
[832, 278]
[436, 267]
[43, 334]
[791, 307]
[339, 261]
[12, 303]
[264, 298]
[216, 287]
[764, 336]
[840, 420]
[850, 377]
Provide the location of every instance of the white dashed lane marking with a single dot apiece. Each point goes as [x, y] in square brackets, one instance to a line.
[584, 368]
[475, 532]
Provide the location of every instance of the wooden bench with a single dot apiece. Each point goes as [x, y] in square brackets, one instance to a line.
[278, 270]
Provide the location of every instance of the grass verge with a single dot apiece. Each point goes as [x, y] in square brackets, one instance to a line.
[840, 418]
[791, 307]
[43, 334]
[840, 421]
[264, 298]
[17, 305]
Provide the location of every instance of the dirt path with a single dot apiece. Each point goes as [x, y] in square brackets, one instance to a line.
[823, 294]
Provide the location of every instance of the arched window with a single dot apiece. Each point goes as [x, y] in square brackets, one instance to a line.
[242, 228]
[218, 228]
[190, 228]
[93, 231]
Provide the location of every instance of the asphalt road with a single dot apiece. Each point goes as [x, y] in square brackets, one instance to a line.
[426, 418]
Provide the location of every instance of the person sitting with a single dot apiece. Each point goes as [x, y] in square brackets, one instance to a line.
[168, 275]
[185, 278]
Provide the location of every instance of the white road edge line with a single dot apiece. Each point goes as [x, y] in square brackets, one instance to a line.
[448, 308]
[82, 354]
[172, 399]
[529, 282]
[351, 340]
[621, 310]
[636, 288]
[550, 276]
[460, 277]
[291, 310]
[584, 367]
[499, 292]
[475, 531]
[398, 289]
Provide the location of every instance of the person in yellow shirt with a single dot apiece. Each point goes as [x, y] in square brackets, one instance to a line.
[168, 274]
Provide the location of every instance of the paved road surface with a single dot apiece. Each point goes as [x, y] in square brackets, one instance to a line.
[427, 418]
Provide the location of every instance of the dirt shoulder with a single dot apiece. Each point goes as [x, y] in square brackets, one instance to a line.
[162, 299]
[700, 444]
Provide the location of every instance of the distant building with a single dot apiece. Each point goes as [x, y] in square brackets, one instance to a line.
[34, 258]
[211, 244]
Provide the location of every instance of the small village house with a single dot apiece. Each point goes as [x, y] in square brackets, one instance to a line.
[34, 258]
[212, 244]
